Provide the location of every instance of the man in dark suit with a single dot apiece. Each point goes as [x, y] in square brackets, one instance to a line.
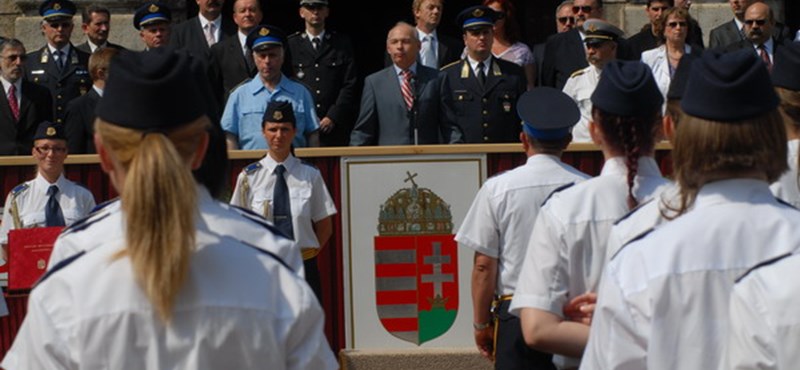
[23, 105]
[759, 23]
[231, 62]
[79, 127]
[437, 49]
[564, 52]
[323, 61]
[198, 34]
[565, 21]
[95, 25]
[400, 104]
[480, 92]
[59, 66]
[733, 31]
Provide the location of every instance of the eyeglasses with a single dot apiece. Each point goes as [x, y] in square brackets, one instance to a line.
[57, 25]
[48, 149]
[313, 6]
[565, 20]
[659, 8]
[676, 24]
[759, 22]
[14, 57]
[578, 9]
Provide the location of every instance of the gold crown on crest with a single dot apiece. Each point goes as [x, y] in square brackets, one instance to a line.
[153, 8]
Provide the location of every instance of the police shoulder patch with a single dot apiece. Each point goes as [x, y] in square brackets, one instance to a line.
[578, 72]
[252, 168]
[19, 189]
[451, 64]
[557, 190]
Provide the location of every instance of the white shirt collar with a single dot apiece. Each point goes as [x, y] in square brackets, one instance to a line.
[93, 47]
[98, 90]
[311, 37]
[7, 85]
[217, 25]
[421, 34]
[64, 50]
[242, 41]
[739, 24]
[60, 182]
[769, 45]
[487, 65]
[398, 70]
[270, 163]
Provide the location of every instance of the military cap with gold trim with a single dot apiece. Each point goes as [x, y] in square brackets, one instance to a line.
[50, 130]
[597, 31]
[151, 12]
[279, 112]
[476, 17]
[264, 36]
[55, 9]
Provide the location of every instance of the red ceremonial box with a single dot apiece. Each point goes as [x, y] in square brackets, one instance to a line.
[28, 253]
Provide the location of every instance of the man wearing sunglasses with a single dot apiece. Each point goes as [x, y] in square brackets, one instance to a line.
[565, 21]
[22, 105]
[564, 52]
[759, 23]
[49, 199]
[734, 31]
[59, 66]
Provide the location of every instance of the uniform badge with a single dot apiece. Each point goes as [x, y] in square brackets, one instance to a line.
[83, 90]
[41, 264]
[153, 8]
[43, 58]
[300, 74]
[57, 6]
[477, 13]
[592, 27]
[74, 59]
[264, 32]
[278, 115]
[465, 70]
[50, 131]
[507, 106]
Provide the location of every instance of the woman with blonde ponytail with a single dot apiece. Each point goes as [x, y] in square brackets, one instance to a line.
[162, 278]
[566, 252]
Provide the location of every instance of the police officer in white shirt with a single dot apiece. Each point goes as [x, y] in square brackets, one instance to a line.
[49, 199]
[601, 47]
[787, 85]
[287, 191]
[566, 252]
[663, 301]
[497, 225]
[193, 296]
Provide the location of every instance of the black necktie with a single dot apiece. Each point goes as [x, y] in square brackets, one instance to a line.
[481, 75]
[60, 60]
[315, 41]
[281, 204]
[52, 211]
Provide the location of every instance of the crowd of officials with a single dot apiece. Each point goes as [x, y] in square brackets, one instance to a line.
[626, 270]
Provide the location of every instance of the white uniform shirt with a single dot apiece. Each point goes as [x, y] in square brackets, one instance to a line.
[788, 186]
[31, 197]
[220, 217]
[663, 303]
[646, 216]
[239, 309]
[310, 200]
[764, 320]
[498, 223]
[580, 87]
[566, 251]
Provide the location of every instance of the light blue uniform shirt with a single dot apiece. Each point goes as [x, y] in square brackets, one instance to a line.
[246, 105]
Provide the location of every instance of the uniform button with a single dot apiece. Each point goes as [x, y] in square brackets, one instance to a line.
[485, 124]
[316, 65]
[58, 85]
[317, 78]
[58, 96]
[59, 107]
[485, 100]
[318, 105]
[58, 120]
[318, 92]
[485, 138]
[485, 112]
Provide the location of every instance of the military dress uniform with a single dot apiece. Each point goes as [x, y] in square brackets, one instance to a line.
[274, 315]
[25, 204]
[330, 75]
[309, 200]
[64, 84]
[580, 87]
[484, 113]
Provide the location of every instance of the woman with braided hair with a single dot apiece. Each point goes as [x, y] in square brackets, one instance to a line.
[566, 252]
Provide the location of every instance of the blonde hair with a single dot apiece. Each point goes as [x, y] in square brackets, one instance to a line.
[159, 199]
[707, 151]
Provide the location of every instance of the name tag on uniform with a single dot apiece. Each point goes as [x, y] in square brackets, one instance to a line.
[81, 72]
[38, 72]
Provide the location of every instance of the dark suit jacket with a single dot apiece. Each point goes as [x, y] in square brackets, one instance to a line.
[538, 56]
[485, 114]
[72, 82]
[384, 119]
[448, 50]
[747, 45]
[330, 75]
[563, 54]
[189, 35]
[85, 47]
[79, 126]
[229, 67]
[727, 33]
[16, 137]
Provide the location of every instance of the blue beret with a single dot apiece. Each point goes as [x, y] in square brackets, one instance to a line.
[50, 130]
[627, 88]
[279, 112]
[151, 90]
[476, 17]
[262, 36]
[728, 87]
[547, 113]
[52, 9]
[786, 70]
[151, 12]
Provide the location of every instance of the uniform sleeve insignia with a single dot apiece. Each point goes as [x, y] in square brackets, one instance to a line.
[496, 69]
[252, 168]
[153, 8]
[578, 73]
[465, 70]
[263, 32]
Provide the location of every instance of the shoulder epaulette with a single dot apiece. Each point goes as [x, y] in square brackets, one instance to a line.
[636, 238]
[578, 73]
[296, 34]
[623, 218]
[762, 264]
[781, 201]
[252, 168]
[59, 266]
[451, 64]
[556, 190]
[19, 189]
